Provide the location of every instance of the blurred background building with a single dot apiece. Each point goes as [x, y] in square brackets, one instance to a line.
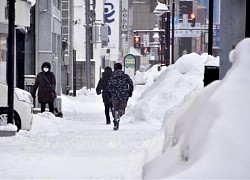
[52, 30]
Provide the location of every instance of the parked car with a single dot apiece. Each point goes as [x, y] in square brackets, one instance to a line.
[23, 108]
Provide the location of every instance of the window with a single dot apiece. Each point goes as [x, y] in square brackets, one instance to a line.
[3, 48]
[57, 4]
[56, 44]
[3, 57]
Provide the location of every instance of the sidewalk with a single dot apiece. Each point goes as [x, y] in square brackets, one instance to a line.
[80, 145]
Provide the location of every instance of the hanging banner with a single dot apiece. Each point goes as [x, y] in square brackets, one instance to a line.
[124, 16]
[112, 20]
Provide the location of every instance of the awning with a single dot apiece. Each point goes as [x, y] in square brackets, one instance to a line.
[133, 51]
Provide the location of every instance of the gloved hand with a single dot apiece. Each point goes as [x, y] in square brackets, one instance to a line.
[130, 93]
[98, 92]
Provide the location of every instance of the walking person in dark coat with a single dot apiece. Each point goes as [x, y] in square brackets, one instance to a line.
[102, 89]
[121, 88]
[45, 83]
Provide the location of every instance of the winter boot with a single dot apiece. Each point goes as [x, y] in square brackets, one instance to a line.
[58, 114]
[116, 121]
[107, 120]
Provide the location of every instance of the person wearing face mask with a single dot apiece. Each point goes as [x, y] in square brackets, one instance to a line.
[45, 83]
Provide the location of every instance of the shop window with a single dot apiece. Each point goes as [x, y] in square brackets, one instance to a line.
[3, 48]
[3, 57]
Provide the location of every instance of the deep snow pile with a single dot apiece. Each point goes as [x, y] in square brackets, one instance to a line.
[212, 129]
[171, 88]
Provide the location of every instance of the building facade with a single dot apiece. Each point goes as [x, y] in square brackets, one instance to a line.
[67, 38]
[23, 25]
[48, 32]
[234, 25]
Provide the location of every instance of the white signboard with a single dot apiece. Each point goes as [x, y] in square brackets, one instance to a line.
[124, 16]
[188, 26]
[146, 40]
[185, 18]
[187, 33]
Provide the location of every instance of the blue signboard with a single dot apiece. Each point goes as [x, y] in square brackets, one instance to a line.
[217, 35]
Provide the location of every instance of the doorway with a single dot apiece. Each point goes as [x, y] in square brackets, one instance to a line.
[20, 43]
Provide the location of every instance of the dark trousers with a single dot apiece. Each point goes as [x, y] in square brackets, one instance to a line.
[51, 106]
[108, 107]
[119, 107]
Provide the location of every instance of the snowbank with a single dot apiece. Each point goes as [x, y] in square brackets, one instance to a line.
[211, 129]
[172, 87]
[8, 127]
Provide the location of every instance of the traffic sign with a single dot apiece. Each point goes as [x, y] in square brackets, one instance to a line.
[146, 40]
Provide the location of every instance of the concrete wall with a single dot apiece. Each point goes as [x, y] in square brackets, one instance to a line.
[79, 37]
[81, 74]
[232, 28]
[143, 17]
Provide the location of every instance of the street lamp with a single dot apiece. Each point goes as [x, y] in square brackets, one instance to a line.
[160, 9]
[156, 38]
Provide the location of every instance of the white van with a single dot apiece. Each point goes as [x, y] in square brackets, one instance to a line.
[23, 108]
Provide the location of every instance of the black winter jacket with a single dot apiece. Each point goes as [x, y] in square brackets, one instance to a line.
[44, 89]
[102, 88]
[120, 85]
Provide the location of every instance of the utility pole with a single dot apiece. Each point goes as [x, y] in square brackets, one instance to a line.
[173, 18]
[74, 73]
[210, 27]
[167, 36]
[10, 61]
[247, 30]
[88, 44]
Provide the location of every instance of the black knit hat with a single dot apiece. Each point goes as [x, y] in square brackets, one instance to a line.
[108, 70]
[46, 64]
[118, 66]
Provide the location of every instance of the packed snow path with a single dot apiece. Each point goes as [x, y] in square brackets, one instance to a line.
[80, 145]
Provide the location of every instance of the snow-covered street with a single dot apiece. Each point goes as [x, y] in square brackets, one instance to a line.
[80, 145]
[174, 128]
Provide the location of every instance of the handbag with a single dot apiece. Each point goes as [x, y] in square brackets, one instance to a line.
[52, 91]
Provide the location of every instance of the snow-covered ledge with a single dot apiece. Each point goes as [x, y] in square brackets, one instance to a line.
[8, 130]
